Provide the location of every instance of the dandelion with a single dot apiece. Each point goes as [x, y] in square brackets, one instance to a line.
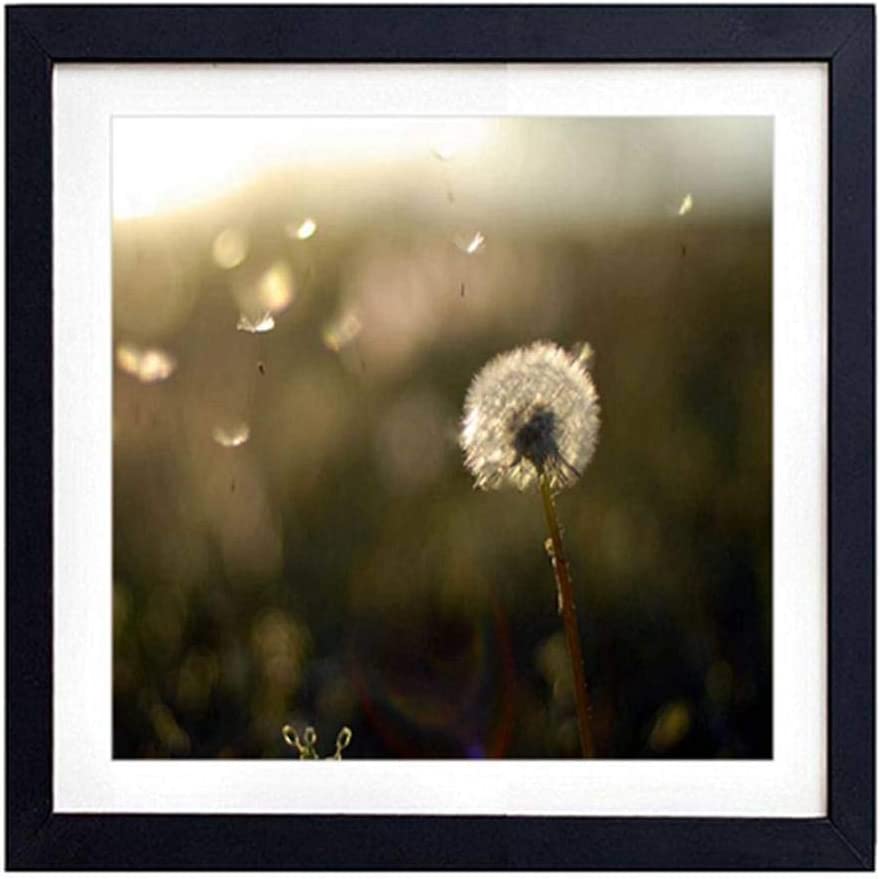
[530, 412]
[531, 415]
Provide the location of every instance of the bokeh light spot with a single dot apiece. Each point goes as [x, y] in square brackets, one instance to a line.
[275, 289]
[147, 365]
[342, 330]
[230, 248]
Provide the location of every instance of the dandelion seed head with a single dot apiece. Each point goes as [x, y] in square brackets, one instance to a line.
[530, 410]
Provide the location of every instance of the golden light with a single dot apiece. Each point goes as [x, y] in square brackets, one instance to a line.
[275, 288]
[147, 365]
[230, 248]
[342, 331]
[232, 436]
[163, 164]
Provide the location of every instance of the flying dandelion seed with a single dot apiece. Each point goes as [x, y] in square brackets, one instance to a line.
[443, 151]
[231, 437]
[473, 245]
[450, 140]
[262, 325]
[305, 230]
[529, 411]
[686, 206]
[148, 365]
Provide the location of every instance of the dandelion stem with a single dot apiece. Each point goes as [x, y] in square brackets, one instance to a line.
[569, 617]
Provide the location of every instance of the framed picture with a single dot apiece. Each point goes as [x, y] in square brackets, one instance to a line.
[461, 462]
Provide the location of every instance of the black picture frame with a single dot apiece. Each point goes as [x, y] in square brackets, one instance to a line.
[38, 37]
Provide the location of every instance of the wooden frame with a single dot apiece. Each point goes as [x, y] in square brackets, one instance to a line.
[38, 37]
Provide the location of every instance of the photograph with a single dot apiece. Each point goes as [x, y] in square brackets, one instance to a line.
[442, 437]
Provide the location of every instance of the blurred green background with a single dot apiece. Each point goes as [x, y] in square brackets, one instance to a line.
[296, 539]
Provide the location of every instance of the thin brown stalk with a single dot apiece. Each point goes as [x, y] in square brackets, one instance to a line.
[569, 618]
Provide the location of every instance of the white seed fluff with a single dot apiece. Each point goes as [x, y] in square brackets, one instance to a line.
[531, 409]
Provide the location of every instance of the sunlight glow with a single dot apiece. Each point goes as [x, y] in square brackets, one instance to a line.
[162, 164]
[147, 365]
[275, 289]
[230, 248]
